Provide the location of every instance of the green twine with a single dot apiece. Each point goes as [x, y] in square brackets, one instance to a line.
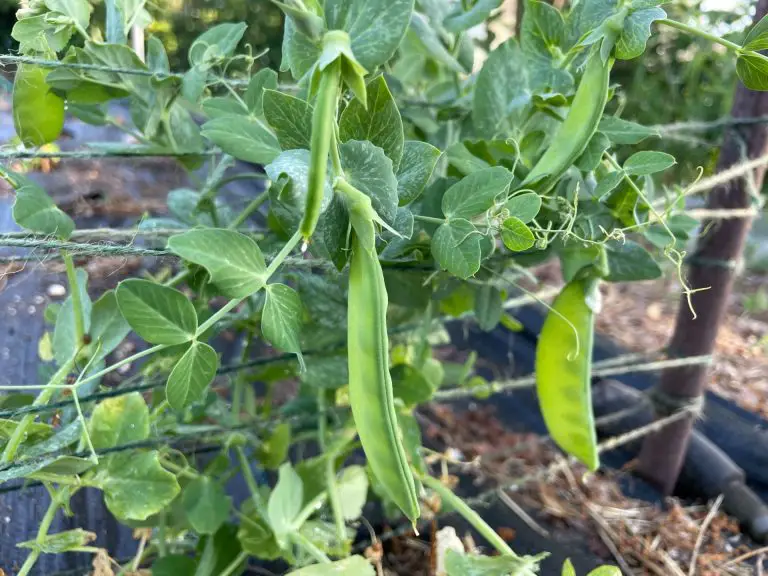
[114, 153]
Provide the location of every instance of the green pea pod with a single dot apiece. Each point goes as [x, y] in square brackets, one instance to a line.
[563, 370]
[573, 135]
[370, 386]
[322, 132]
[38, 113]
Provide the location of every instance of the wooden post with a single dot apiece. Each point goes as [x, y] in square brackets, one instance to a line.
[713, 264]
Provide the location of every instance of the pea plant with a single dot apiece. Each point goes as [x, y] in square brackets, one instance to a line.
[407, 182]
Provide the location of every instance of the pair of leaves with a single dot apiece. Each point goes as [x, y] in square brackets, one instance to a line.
[34, 210]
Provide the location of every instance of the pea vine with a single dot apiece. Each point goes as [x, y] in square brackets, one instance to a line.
[406, 182]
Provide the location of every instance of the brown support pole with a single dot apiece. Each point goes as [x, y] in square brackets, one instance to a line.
[721, 244]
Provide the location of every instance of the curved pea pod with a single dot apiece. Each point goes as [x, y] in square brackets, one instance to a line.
[370, 385]
[573, 135]
[38, 113]
[563, 371]
[320, 145]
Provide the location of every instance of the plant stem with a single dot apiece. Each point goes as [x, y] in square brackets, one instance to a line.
[42, 531]
[469, 515]
[700, 33]
[162, 549]
[74, 293]
[428, 219]
[335, 158]
[236, 563]
[300, 540]
[42, 398]
[254, 205]
[330, 469]
[250, 481]
[123, 362]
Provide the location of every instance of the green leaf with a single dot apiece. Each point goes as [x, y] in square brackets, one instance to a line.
[591, 157]
[621, 131]
[290, 118]
[120, 420]
[608, 184]
[244, 138]
[456, 245]
[273, 450]
[416, 167]
[457, 564]
[34, 210]
[282, 318]
[375, 27]
[36, 431]
[326, 372]
[159, 314]
[254, 95]
[488, 307]
[68, 541]
[173, 565]
[353, 492]
[648, 162]
[221, 106]
[191, 375]
[430, 42]
[352, 566]
[37, 34]
[78, 10]
[410, 385]
[216, 44]
[65, 342]
[501, 92]
[460, 19]
[369, 170]
[630, 262]
[256, 537]
[135, 485]
[379, 122]
[285, 503]
[542, 29]
[753, 71]
[157, 57]
[218, 552]
[757, 38]
[605, 571]
[205, 504]
[516, 235]
[636, 31]
[193, 84]
[525, 206]
[233, 260]
[108, 327]
[476, 193]
[568, 569]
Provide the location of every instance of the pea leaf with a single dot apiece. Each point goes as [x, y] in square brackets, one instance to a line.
[115, 31]
[173, 564]
[525, 206]
[542, 29]
[568, 569]
[205, 504]
[290, 118]
[456, 245]
[159, 314]
[108, 327]
[282, 318]
[457, 564]
[757, 38]
[233, 260]
[648, 162]
[326, 372]
[215, 44]
[608, 184]
[369, 170]
[460, 19]
[67, 541]
[605, 571]
[410, 385]
[273, 450]
[34, 210]
[591, 157]
[636, 31]
[242, 137]
[285, 503]
[219, 551]
[375, 27]
[629, 262]
[120, 420]
[256, 537]
[621, 131]
[78, 10]
[378, 122]
[130, 474]
[353, 491]
[254, 95]
[488, 307]
[416, 167]
[191, 375]
[37, 34]
[431, 44]
[64, 337]
[516, 235]
[501, 92]
[222, 106]
[753, 71]
[476, 193]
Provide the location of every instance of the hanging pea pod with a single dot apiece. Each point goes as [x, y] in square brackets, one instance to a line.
[573, 135]
[563, 370]
[38, 113]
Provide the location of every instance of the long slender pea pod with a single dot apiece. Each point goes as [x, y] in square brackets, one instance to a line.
[563, 370]
[38, 113]
[322, 132]
[573, 135]
[370, 386]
